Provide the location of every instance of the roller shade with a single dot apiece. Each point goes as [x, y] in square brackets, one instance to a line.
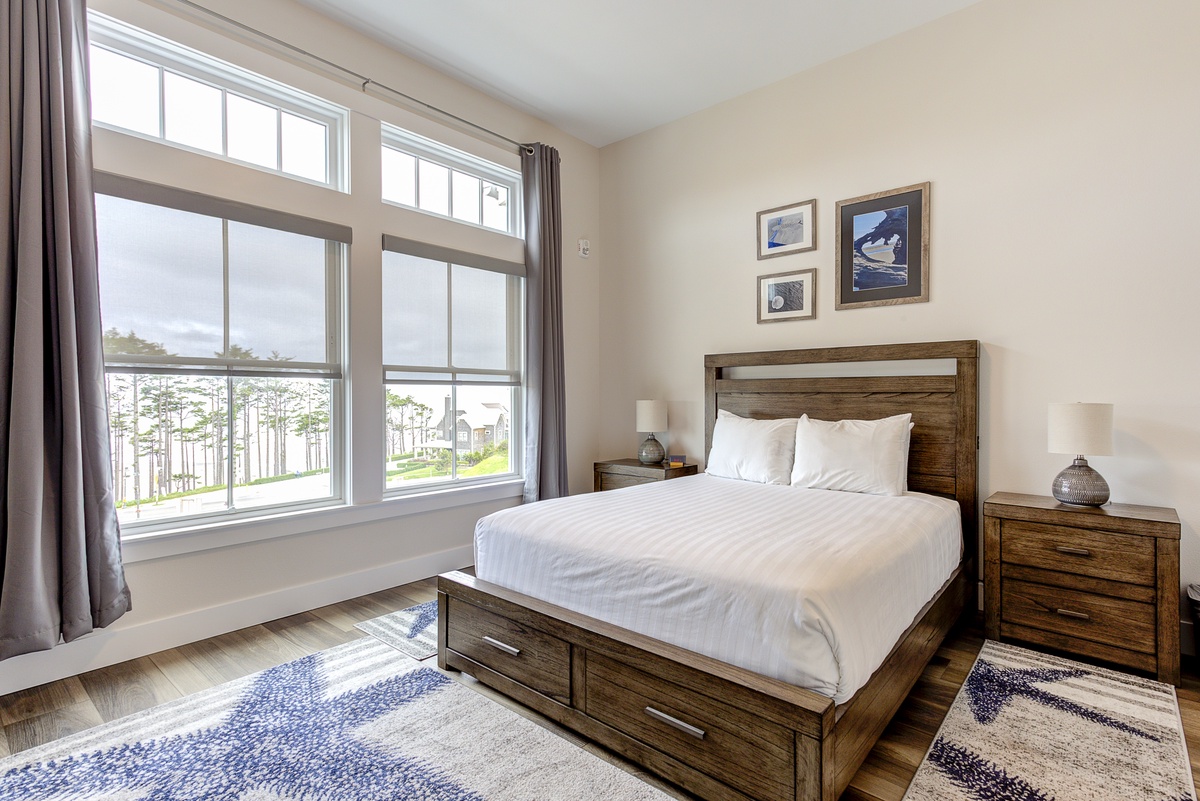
[159, 195]
[426, 250]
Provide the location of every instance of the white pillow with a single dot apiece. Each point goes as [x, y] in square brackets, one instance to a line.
[752, 450]
[869, 456]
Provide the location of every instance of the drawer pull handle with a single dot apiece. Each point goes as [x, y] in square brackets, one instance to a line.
[1073, 551]
[508, 649]
[686, 728]
[1069, 613]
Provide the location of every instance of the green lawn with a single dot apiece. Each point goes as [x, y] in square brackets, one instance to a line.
[497, 463]
[409, 472]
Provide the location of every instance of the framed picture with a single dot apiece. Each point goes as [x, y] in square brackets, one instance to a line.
[883, 248]
[787, 296]
[787, 229]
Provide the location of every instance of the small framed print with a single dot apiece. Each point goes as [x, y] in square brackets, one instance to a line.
[787, 229]
[787, 296]
[883, 248]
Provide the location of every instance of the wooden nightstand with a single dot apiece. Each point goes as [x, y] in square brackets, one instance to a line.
[628, 472]
[1097, 582]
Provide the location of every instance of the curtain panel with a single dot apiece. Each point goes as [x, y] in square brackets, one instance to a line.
[545, 384]
[61, 575]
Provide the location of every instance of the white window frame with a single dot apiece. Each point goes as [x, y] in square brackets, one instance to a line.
[453, 159]
[165, 55]
[332, 370]
[453, 377]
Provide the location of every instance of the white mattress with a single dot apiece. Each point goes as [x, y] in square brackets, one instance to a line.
[812, 587]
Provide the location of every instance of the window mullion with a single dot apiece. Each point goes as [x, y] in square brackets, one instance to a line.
[229, 394]
[162, 103]
[225, 287]
[230, 440]
[452, 428]
[453, 431]
[417, 183]
[512, 210]
[224, 123]
[333, 301]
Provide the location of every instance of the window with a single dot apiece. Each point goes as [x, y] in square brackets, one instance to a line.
[452, 351]
[222, 353]
[225, 343]
[432, 177]
[147, 85]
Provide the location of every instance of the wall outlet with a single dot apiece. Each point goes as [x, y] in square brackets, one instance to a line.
[585, 248]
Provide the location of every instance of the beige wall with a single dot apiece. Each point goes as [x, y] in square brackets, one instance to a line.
[1061, 139]
[183, 591]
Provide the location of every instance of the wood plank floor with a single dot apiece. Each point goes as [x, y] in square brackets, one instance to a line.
[38, 715]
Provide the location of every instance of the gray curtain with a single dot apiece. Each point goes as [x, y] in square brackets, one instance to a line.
[545, 395]
[62, 572]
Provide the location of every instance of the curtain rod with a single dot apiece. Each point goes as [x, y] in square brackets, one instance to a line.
[362, 80]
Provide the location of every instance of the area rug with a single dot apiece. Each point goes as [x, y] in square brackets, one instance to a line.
[355, 723]
[1031, 727]
[411, 631]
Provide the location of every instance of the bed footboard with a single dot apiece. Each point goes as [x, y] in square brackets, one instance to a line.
[718, 731]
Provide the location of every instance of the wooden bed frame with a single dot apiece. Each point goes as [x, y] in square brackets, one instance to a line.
[718, 731]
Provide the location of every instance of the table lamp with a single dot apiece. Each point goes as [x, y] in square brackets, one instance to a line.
[651, 417]
[1080, 428]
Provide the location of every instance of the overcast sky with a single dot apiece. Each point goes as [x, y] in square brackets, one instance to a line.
[161, 277]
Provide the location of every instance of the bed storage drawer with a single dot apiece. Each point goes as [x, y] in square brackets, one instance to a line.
[532, 657]
[746, 752]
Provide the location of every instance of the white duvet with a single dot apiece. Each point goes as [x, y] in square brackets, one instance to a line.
[812, 587]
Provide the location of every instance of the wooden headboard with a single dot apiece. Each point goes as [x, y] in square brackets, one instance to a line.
[942, 455]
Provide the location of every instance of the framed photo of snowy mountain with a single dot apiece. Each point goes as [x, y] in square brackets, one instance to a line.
[787, 229]
[883, 248]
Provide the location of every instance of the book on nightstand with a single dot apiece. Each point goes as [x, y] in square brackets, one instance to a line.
[676, 460]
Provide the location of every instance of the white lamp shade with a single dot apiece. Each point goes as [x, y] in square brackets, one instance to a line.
[651, 416]
[1083, 429]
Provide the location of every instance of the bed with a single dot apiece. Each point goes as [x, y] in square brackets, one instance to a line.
[716, 729]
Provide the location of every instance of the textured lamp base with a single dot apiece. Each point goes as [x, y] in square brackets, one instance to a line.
[1080, 485]
[651, 451]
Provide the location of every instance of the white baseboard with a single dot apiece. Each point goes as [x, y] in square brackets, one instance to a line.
[108, 647]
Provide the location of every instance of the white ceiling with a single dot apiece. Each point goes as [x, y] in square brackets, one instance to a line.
[608, 69]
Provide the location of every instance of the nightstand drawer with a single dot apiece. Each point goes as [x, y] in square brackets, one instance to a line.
[1102, 554]
[611, 481]
[1099, 618]
[619, 473]
[532, 657]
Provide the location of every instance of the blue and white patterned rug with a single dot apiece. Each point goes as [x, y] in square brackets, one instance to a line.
[411, 631]
[355, 723]
[1031, 727]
